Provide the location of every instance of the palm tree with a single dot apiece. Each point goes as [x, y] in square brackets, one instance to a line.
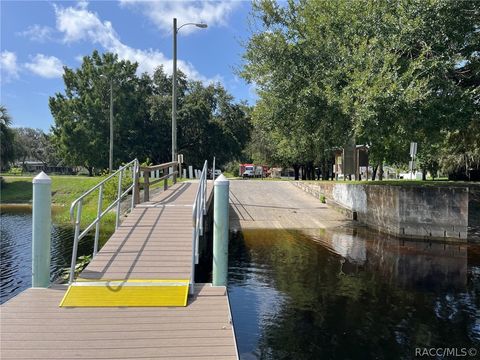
[5, 118]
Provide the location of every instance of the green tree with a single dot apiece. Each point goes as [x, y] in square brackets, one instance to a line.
[211, 124]
[7, 136]
[384, 73]
[34, 144]
[81, 114]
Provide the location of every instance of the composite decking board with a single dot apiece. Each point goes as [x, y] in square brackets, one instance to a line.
[121, 335]
[137, 275]
[153, 242]
[128, 353]
[116, 343]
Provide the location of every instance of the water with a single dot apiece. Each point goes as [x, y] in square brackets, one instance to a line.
[352, 294]
[16, 252]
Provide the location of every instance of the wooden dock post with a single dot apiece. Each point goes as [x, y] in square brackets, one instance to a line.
[146, 185]
[220, 231]
[41, 230]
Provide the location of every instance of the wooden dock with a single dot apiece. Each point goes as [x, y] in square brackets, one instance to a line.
[153, 242]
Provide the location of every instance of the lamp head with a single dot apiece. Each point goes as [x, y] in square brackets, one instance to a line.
[201, 25]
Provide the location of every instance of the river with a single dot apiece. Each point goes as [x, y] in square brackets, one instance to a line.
[16, 251]
[351, 294]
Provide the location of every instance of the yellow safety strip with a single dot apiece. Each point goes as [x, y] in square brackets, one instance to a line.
[126, 293]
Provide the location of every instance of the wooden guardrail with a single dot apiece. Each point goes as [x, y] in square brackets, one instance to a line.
[147, 170]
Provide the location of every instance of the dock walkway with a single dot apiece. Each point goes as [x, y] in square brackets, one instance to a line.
[153, 242]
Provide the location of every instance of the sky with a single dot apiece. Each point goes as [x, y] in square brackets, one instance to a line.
[38, 38]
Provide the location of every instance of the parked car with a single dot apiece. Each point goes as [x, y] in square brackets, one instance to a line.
[217, 172]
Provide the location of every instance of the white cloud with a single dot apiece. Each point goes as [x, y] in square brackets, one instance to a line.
[38, 33]
[161, 13]
[78, 23]
[45, 66]
[8, 64]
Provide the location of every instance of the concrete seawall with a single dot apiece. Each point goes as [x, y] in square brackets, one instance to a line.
[434, 212]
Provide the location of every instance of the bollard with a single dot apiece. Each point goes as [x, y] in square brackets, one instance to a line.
[41, 230]
[184, 173]
[190, 172]
[220, 231]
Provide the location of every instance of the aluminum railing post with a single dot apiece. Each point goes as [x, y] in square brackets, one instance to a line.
[119, 195]
[97, 225]
[75, 242]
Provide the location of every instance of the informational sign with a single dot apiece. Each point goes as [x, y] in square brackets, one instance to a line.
[349, 158]
[413, 153]
[362, 158]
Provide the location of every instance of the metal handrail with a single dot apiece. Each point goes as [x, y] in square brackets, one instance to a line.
[79, 202]
[198, 211]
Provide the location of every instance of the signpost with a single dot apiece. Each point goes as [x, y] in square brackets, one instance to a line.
[412, 163]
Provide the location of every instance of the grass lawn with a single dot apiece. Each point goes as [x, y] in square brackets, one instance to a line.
[396, 182]
[65, 189]
[18, 189]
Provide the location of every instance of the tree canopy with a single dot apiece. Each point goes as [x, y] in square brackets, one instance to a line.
[210, 122]
[383, 73]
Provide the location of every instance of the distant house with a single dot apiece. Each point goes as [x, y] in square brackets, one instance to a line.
[32, 166]
[35, 166]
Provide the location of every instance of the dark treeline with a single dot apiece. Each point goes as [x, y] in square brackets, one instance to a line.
[210, 122]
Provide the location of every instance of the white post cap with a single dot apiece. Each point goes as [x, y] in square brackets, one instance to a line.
[221, 180]
[42, 178]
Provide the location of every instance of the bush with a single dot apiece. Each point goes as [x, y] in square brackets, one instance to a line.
[15, 171]
[110, 188]
[323, 199]
[81, 264]
[233, 167]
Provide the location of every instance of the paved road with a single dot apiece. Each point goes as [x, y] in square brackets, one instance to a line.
[278, 204]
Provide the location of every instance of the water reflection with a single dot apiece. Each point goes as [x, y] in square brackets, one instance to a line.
[352, 294]
[16, 251]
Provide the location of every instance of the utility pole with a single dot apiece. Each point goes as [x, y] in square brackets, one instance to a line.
[110, 159]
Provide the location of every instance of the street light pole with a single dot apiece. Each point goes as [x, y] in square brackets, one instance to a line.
[174, 92]
[110, 159]
[174, 84]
